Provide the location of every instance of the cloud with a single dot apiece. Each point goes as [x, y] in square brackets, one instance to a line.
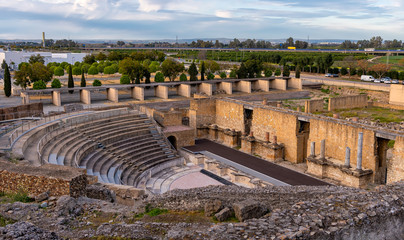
[150, 5]
[223, 14]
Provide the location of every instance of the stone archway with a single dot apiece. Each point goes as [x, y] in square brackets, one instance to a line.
[173, 141]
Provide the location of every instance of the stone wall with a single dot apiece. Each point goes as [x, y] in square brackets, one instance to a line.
[28, 110]
[385, 105]
[395, 166]
[202, 112]
[358, 101]
[55, 179]
[230, 114]
[338, 136]
[185, 136]
[397, 94]
[311, 106]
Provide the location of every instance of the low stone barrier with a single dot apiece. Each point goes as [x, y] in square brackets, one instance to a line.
[55, 179]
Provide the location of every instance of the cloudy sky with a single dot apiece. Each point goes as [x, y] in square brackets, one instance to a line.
[166, 19]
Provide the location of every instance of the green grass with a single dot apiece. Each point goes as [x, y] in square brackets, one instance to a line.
[19, 196]
[392, 59]
[384, 115]
[4, 221]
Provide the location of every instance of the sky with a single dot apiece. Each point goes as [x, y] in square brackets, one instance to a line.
[166, 19]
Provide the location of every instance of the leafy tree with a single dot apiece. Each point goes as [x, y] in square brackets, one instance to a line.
[7, 80]
[154, 66]
[70, 82]
[286, 71]
[253, 68]
[350, 64]
[59, 71]
[101, 56]
[328, 61]
[97, 83]
[64, 65]
[268, 73]
[401, 75]
[124, 79]
[22, 75]
[183, 77]
[211, 66]
[39, 85]
[278, 72]
[109, 70]
[132, 68]
[210, 76]
[36, 58]
[83, 82]
[40, 72]
[223, 75]
[93, 70]
[193, 72]
[56, 83]
[120, 43]
[380, 69]
[242, 71]
[159, 77]
[344, 71]
[171, 68]
[85, 67]
[89, 59]
[76, 71]
[202, 68]
[100, 68]
[363, 65]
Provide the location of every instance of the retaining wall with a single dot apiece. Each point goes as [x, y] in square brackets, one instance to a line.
[357, 101]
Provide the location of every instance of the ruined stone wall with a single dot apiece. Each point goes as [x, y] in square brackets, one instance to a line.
[395, 166]
[55, 179]
[358, 101]
[397, 94]
[338, 136]
[28, 110]
[385, 105]
[171, 118]
[311, 106]
[277, 123]
[201, 112]
[295, 83]
[230, 115]
[184, 137]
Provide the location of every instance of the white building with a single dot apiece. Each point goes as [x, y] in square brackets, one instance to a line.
[13, 58]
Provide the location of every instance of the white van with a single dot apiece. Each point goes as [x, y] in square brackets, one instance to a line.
[367, 78]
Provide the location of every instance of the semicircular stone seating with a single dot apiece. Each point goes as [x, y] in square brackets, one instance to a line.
[126, 149]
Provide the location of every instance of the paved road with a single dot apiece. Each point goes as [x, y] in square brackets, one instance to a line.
[270, 169]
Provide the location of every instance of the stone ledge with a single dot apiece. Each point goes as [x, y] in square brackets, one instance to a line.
[342, 167]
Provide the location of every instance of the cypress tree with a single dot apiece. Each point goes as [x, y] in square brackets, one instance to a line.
[242, 71]
[83, 80]
[297, 74]
[203, 70]
[7, 81]
[70, 82]
[193, 72]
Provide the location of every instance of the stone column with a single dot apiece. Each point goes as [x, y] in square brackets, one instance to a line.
[322, 150]
[359, 155]
[184, 90]
[112, 95]
[25, 98]
[56, 98]
[267, 137]
[227, 87]
[85, 96]
[312, 149]
[347, 157]
[138, 93]
[161, 91]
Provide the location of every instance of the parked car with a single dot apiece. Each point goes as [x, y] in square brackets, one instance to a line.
[377, 81]
[335, 75]
[328, 75]
[385, 79]
[367, 78]
[394, 81]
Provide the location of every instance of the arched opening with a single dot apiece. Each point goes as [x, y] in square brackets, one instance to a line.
[173, 141]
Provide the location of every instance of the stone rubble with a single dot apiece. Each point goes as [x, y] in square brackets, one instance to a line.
[301, 212]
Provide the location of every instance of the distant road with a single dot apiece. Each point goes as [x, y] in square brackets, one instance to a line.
[248, 49]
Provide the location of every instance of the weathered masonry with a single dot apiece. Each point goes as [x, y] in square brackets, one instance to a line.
[275, 133]
[161, 90]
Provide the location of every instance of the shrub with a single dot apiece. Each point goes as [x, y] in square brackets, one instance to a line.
[278, 72]
[93, 70]
[223, 75]
[286, 71]
[210, 76]
[59, 71]
[39, 85]
[344, 71]
[233, 74]
[268, 73]
[97, 83]
[56, 83]
[159, 77]
[124, 79]
[183, 77]
[297, 73]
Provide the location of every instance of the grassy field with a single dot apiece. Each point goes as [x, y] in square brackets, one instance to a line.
[392, 59]
[384, 115]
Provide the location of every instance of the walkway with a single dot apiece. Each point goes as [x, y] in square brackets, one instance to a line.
[270, 169]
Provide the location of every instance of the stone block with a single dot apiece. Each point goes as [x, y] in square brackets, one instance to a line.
[213, 207]
[249, 209]
[224, 214]
[98, 191]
